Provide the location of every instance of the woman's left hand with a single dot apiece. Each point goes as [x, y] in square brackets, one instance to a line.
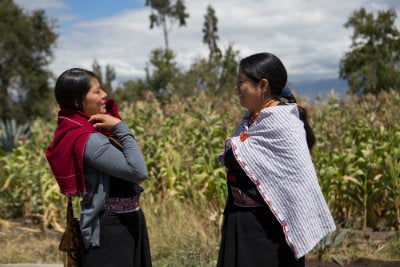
[103, 121]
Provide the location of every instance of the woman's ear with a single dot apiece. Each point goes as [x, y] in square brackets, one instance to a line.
[264, 84]
[77, 105]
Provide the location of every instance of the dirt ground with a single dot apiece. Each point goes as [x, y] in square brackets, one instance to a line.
[362, 262]
[21, 241]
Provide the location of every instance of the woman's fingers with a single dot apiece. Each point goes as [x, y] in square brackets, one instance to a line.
[103, 121]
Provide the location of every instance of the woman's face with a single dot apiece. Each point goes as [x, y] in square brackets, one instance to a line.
[94, 101]
[250, 93]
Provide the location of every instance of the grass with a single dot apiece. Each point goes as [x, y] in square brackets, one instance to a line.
[181, 234]
[393, 250]
[23, 242]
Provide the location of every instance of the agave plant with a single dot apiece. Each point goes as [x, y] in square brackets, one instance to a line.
[11, 134]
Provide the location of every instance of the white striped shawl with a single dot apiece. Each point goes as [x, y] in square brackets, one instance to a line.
[276, 158]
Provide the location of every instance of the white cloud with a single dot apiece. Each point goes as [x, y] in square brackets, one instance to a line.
[40, 4]
[308, 36]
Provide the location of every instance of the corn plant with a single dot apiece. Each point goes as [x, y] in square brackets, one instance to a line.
[356, 157]
[28, 188]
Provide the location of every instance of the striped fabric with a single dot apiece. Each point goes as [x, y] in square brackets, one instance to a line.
[276, 158]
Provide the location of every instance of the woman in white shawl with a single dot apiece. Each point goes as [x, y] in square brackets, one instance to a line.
[275, 211]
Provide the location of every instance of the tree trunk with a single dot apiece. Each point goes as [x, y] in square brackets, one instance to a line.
[4, 108]
[165, 30]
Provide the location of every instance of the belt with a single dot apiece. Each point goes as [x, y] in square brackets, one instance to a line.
[242, 199]
[122, 204]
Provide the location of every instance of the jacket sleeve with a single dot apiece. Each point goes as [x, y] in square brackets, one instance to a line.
[127, 163]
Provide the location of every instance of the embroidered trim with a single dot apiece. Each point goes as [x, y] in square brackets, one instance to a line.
[241, 199]
[122, 205]
[266, 199]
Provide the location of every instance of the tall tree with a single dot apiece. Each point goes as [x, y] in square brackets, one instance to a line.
[165, 14]
[373, 64]
[96, 68]
[210, 30]
[110, 75]
[26, 43]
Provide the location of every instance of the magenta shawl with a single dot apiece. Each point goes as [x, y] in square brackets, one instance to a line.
[65, 153]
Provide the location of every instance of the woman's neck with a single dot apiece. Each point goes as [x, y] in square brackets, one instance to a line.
[254, 113]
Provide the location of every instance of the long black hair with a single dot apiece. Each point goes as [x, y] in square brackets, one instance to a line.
[72, 86]
[268, 66]
[265, 66]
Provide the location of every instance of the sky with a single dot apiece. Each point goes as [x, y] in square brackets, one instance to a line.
[307, 35]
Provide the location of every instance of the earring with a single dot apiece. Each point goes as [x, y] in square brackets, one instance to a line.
[264, 96]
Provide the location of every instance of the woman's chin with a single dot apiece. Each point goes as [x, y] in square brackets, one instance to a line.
[243, 104]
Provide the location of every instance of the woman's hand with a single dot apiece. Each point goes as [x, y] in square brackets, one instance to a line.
[103, 121]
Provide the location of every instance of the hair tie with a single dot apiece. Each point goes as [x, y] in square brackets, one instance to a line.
[288, 95]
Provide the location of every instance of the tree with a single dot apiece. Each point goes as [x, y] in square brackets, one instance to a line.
[110, 76]
[26, 43]
[164, 11]
[374, 62]
[210, 32]
[161, 71]
[96, 68]
[131, 91]
[216, 76]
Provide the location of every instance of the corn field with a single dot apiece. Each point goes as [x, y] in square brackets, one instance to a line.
[357, 157]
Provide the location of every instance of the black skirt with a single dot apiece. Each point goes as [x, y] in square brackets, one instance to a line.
[252, 237]
[124, 242]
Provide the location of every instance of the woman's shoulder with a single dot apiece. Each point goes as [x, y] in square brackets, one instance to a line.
[281, 110]
[280, 117]
[97, 139]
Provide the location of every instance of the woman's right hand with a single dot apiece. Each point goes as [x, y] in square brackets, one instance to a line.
[103, 121]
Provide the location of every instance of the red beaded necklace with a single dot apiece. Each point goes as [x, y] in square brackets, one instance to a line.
[252, 118]
[254, 114]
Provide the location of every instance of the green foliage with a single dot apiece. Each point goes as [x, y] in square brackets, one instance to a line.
[132, 90]
[27, 186]
[356, 149]
[165, 79]
[26, 47]
[216, 76]
[393, 250]
[210, 30]
[181, 140]
[12, 134]
[356, 156]
[109, 76]
[195, 246]
[161, 71]
[373, 63]
[329, 242]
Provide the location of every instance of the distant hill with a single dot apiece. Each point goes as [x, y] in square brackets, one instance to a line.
[311, 88]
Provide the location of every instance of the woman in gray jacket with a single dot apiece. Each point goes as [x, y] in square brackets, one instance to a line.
[94, 155]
